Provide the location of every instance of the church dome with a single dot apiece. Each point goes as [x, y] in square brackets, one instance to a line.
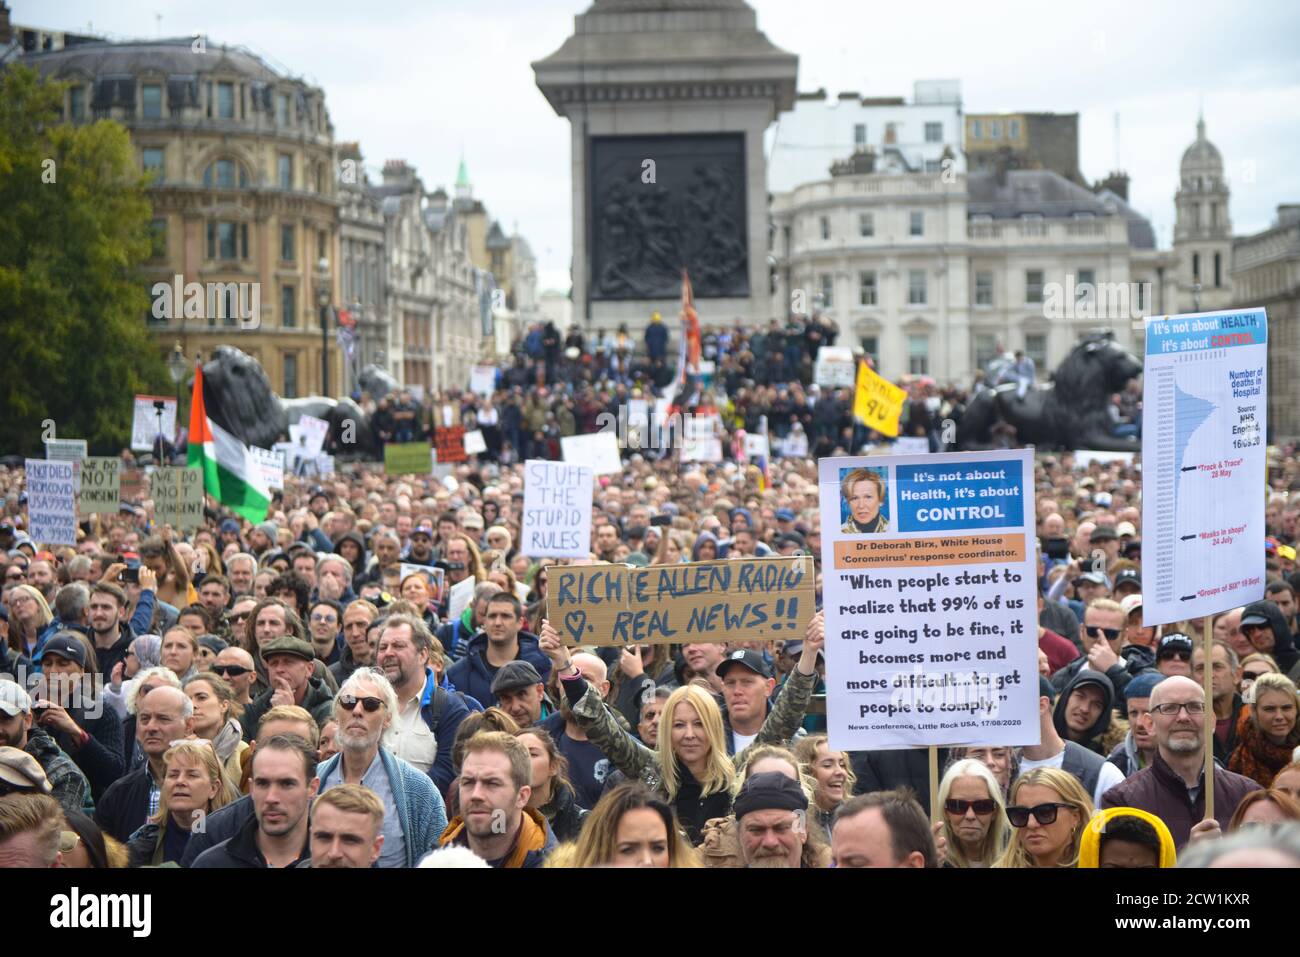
[1202, 158]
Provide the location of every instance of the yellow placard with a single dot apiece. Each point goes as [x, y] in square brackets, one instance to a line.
[877, 404]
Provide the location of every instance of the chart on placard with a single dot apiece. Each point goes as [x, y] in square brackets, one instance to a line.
[1204, 404]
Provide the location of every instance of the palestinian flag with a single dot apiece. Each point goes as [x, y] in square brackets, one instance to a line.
[230, 473]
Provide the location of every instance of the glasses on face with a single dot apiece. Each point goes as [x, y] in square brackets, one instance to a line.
[325, 619]
[982, 806]
[1177, 653]
[1044, 814]
[239, 615]
[230, 671]
[1095, 631]
[1170, 708]
[349, 703]
[15, 576]
[1253, 675]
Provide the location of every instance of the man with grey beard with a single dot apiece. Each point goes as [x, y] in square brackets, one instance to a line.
[772, 821]
[414, 814]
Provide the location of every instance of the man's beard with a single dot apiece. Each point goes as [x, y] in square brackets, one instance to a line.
[1184, 745]
[18, 742]
[357, 741]
[771, 862]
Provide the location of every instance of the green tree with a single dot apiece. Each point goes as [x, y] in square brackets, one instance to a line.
[74, 226]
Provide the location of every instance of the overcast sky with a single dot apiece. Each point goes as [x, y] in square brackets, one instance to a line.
[423, 80]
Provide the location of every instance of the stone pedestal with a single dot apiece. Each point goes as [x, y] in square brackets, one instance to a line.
[669, 101]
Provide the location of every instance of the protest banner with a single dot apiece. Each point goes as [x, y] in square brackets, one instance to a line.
[51, 502]
[101, 486]
[483, 380]
[598, 450]
[450, 443]
[557, 510]
[929, 586]
[701, 440]
[178, 497]
[911, 445]
[475, 444]
[794, 446]
[68, 450]
[459, 598]
[144, 421]
[835, 368]
[434, 576]
[132, 486]
[406, 458]
[750, 599]
[270, 463]
[877, 403]
[311, 435]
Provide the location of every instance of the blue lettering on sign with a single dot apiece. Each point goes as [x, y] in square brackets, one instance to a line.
[959, 497]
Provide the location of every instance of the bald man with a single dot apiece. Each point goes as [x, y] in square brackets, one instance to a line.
[1173, 787]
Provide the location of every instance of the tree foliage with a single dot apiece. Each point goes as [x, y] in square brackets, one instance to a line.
[74, 227]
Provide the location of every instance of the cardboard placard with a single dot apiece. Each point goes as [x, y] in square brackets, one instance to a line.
[749, 599]
[51, 502]
[271, 465]
[101, 486]
[178, 497]
[458, 601]
[406, 458]
[450, 442]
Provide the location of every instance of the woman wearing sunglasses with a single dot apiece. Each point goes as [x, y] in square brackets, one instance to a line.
[1252, 668]
[974, 815]
[1048, 810]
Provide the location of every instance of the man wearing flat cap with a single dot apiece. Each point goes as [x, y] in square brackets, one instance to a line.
[290, 668]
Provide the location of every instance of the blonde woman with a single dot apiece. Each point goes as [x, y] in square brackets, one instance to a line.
[832, 772]
[974, 815]
[193, 786]
[690, 765]
[29, 619]
[1049, 810]
[1266, 731]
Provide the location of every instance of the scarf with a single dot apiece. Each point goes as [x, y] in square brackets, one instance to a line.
[1256, 756]
[877, 524]
[227, 740]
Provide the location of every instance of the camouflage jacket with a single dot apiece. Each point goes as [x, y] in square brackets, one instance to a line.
[70, 787]
[635, 760]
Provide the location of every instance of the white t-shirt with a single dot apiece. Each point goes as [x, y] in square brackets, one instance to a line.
[1107, 778]
[743, 740]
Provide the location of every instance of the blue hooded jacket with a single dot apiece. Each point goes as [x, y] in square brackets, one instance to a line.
[471, 675]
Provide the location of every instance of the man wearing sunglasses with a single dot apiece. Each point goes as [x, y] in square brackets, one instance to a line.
[1174, 655]
[237, 667]
[1101, 636]
[1264, 626]
[414, 814]
[1173, 787]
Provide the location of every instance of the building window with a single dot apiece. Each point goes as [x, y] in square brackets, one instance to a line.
[288, 307]
[225, 101]
[825, 226]
[986, 349]
[934, 132]
[827, 283]
[867, 293]
[1218, 271]
[285, 171]
[1142, 297]
[227, 241]
[158, 239]
[871, 349]
[151, 101]
[1196, 267]
[859, 135]
[1036, 348]
[1085, 289]
[1013, 133]
[934, 166]
[322, 240]
[866, 224]
[995, 129]
[77, 103]
[1214, 215]
[282, 109]
[918, 355]
[1033, 286]
[291, 375]
[984, 289]
[224, 173]
[976, 131]
[153, 162]
[287, 236]
[916, 291]
[917, 224]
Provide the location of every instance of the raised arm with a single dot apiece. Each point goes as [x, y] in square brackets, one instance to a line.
[792, 703]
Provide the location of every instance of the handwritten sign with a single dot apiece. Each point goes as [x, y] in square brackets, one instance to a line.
[877, 403]
[557, 510]
[756, 599]
[406, 458]
[101, 485]
[270, 464]
[312, 432]
[51, 502]
[450, 442]
[178, 497]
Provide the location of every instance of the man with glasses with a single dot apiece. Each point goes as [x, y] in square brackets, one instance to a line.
[323, 620]
[237, 667]
[1174, 655]
[238, 616]
[414, 814]
[1173, 787]
[1101, 636]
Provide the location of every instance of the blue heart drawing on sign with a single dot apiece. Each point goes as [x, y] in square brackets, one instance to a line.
[575, 623]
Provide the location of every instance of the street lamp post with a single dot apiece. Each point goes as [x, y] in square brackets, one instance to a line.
[176, 366]
[323, 300]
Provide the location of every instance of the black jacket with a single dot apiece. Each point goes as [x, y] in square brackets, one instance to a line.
[1133, 660]
[125, 805]
[110, 656]
[1284, 650]
[319, 701]
[241, 851]
[886, 770]
[16, 666]
[222, 825]
[563, 814]
[100, 758]
[1093, 739]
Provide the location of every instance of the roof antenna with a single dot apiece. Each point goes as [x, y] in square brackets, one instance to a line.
[1117, 166]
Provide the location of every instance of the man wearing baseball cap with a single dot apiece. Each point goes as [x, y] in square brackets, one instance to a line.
[290, 669]
[421, 549]
[68, 785]
[1127, 582]
[1174, 655]
[73, 713]
[771, 813]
